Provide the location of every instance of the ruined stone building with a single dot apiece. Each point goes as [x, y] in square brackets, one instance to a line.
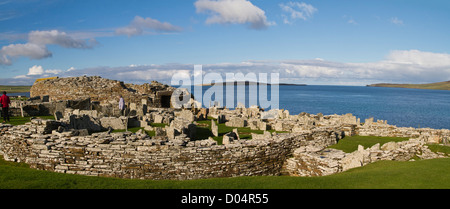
[49, 96]
[102, 90]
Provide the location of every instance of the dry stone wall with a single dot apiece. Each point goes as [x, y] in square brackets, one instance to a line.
[381, 128]
[64, 146]
[138, 156]
[310, 162]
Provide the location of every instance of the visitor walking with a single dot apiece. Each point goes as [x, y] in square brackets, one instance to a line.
[121, 105]
[4, 102]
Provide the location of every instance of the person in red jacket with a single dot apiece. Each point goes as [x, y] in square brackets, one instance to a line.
[4, 101]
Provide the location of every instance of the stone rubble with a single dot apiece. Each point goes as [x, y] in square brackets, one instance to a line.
[312, 162]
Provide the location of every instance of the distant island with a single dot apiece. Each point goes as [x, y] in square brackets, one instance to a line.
[437, 86]
[247, 83]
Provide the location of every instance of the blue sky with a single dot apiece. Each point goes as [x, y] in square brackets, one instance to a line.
[346, 42]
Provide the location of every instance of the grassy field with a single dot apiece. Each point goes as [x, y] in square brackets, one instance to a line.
[437, 86]
[15, 89]
[426, 174]
[350, 144]
[22, 120]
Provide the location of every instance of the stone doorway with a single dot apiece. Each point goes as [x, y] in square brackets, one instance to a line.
[165, 101]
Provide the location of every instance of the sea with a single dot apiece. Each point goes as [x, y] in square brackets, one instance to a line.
[418, 108]
[402, 107]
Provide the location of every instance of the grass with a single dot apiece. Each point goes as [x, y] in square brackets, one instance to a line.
[424, 174]
[158, 125]
[350, 144]
[17, 98]
[22, 120]
[15, 89]
[438, 86]
[439, 148]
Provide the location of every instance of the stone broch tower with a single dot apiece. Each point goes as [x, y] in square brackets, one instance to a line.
[102, 90]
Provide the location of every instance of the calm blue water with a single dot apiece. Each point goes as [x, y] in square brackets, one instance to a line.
[25, 94]
[400, 107]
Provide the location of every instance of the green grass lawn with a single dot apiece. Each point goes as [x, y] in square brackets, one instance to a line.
[204, 131]
[22, 120]
[424, 174]
[421, 174]
[350, 144]
[438, 86]
[15, 89]
[439, 148]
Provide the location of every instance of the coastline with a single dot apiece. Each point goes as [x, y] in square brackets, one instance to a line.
[321, 99]
[432, 86]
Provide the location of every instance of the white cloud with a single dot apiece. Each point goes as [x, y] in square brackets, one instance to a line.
[154, 24]
[4, 60]
[71, 69]
[30, 50]
[55, 37]
[139, 24]
[412, 66]
[39, 70]
[21, 77]
[129, 31]
[233, 12]
[36, 47]
[399, 66]
[396, 21]
[297, 10]
[55, 72]
[36, 70]
[352, 21]
[419, 58]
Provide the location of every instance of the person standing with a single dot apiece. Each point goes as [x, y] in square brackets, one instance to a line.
[121, 105]
[4, 101]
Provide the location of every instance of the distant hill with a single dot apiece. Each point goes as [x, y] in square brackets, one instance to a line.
[437, 86]
[14, 89]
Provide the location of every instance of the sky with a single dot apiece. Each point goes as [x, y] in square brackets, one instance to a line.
[316, 42]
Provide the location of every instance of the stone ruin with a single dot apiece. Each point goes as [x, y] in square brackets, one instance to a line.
[81, 142]
[128, 155]
[53, 96]
[102, 90]
[298, 149]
